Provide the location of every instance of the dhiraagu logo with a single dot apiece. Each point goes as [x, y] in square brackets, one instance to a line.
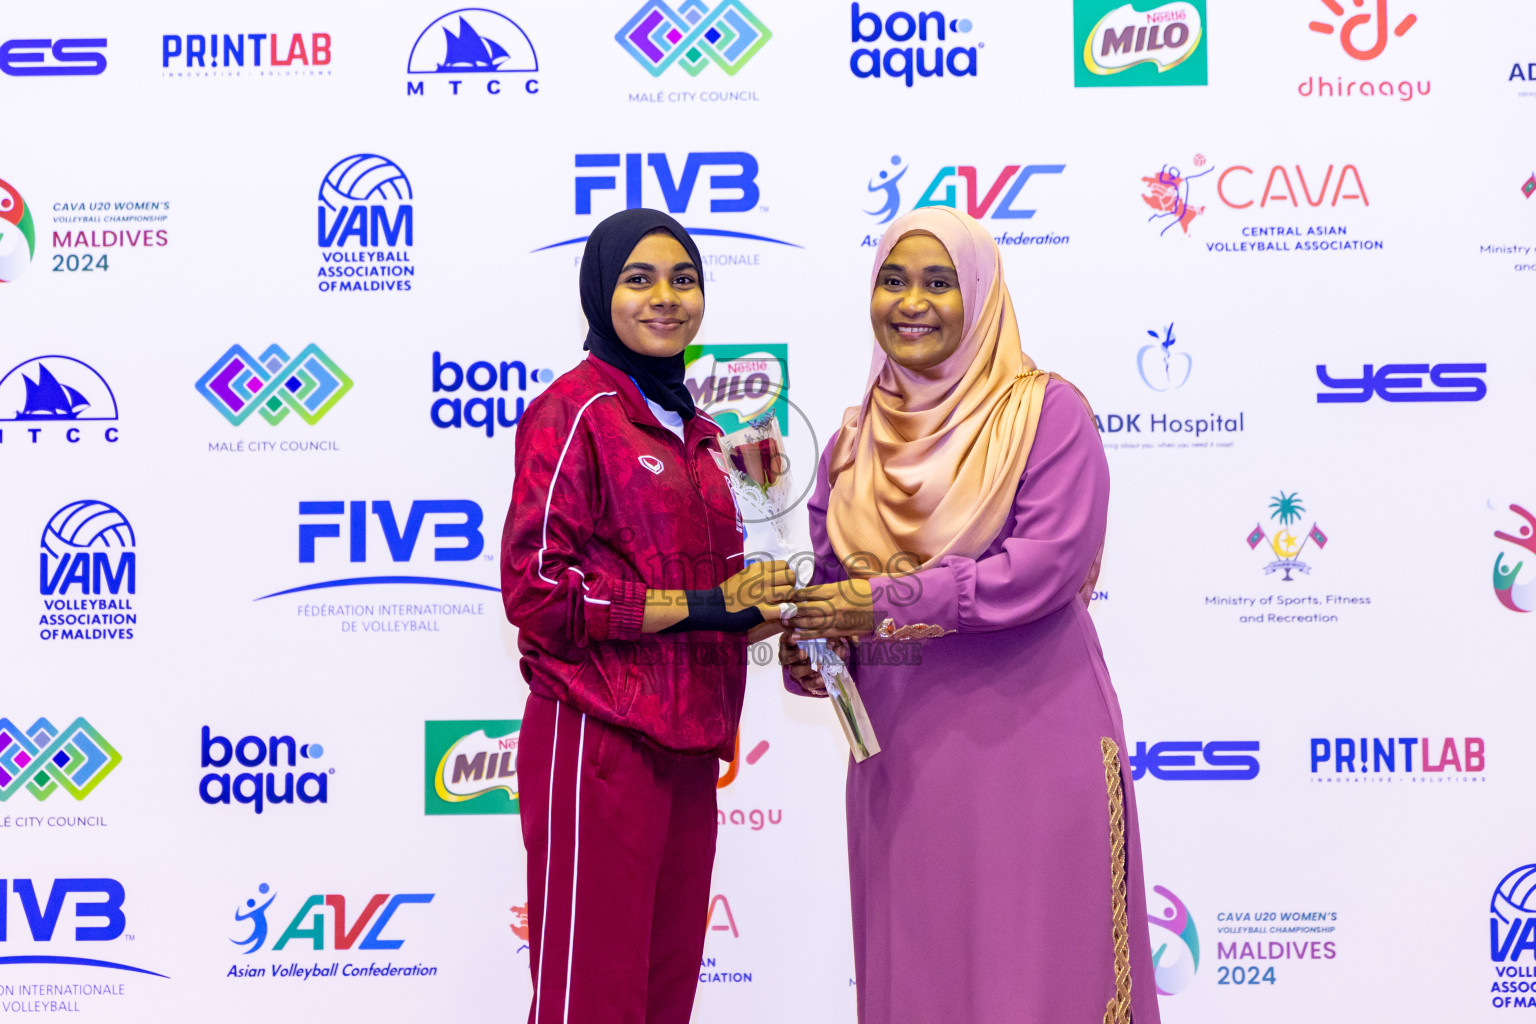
[1139, 43]
[471, 766]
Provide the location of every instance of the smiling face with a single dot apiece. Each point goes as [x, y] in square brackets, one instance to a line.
[658, 303]
[916, 309]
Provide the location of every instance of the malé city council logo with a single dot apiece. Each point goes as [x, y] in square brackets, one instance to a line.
[1286, 509]
[1512, 594]
[1127, 44]
[44, 760]
[18, 238]
[309, 385]
[693, 36]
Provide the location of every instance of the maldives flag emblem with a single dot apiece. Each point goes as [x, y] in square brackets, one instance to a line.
[1256, 537]
[1318, 537]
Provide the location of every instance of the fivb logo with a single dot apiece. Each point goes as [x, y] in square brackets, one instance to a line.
[238, 384]
[693, 36]
[44, 760]
[259, 788]
[309, 923]
[366, 200]
[42, 918]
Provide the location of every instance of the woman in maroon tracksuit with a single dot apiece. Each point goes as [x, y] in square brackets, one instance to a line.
[621, 566]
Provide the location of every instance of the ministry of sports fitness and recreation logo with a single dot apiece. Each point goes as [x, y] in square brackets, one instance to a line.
[56, 398]
[88, 574]
[1513, 594]
[471, 767]
[308, 384]
[1139, 44]
[1512, 938]
[1286, 510]
[366, 226]
[964, 187]
[693, 36]
[18, 236]
[471, 49]
[1175, 945]
[43, 760]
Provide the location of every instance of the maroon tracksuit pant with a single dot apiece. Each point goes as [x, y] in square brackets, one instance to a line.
[621, 840]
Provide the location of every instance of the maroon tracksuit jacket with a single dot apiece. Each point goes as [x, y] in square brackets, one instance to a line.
[616, 760]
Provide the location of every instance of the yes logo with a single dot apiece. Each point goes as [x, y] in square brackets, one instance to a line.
[26, 58]
[1124, 45]
[1404, 382]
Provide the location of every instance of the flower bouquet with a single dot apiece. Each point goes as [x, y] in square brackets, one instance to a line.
[757, 469]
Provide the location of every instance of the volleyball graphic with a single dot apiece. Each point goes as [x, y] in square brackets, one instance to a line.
[86, 524]
[18, 238]
[1515, 895]
[364, 178]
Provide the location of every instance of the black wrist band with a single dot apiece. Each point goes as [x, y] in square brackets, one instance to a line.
[706, 611]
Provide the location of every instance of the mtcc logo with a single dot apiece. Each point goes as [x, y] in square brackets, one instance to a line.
[693, 36]
[1512, 594]
[44, 760]
[472, 41]
[47, 391]
[1121, 45]
[1161, 368]
[309, 384]
[309, 924]
[18, 238]
[1287, 510]
[366, 200]
[1175, 948]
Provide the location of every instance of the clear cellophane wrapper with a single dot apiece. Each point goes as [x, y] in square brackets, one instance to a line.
[758, 471]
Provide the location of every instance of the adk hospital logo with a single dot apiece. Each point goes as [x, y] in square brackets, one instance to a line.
[88, 574]
[366, 226]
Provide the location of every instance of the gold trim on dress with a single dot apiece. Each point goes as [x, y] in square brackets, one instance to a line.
[1119, 1009]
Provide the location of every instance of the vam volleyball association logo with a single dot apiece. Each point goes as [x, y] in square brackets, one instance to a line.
[18, 237]
[1512, 938]
[88, 574]
[366, 226]
[1175, 945]
[1507, 587]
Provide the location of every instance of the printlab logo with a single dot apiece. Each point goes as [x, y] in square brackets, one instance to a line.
[28, 58]
[1512, 594]
[1404, 382]
[227, 56]
[1122, 45]
[366, 200]
[41, 914]
[1174, 760]
[1385, 758]
[1175, 948]
[469, 47]
[471, 766]
[238, 384]
[1168, 193]
[44, 760]
[1286, 509]
[308, 929]
[736, 384]
[18, 236]
[693, 37]
[1161, 368]
[486, 411]
[88, 552]
[903, 62]
[48, 393]
[259, 787]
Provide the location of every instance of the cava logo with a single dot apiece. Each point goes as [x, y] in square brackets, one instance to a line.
[43, 760]
[1168, 193]
[18, 236]
[366, 226]
[472, 767]
[57, 396]
[735, 384]
[88, 574]
[1286, 510]
[693, 37]
[473, 48]
[1512, 594]
[261, 786]
[1160, 45]
[309, 385]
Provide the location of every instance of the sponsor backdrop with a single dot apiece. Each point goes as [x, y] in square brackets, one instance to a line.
[280, 279]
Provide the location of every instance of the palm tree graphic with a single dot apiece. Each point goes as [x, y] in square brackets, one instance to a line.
[1287, 508]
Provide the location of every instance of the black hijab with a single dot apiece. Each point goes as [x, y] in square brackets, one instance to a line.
[660, 377]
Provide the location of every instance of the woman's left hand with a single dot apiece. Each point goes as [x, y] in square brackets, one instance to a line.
[845, 608]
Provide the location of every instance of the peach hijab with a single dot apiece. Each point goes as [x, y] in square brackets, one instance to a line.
[929, 464]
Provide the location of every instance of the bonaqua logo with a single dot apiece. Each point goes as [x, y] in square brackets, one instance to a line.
[309, 384]
[910, 61]
[1513, 594]
[44, 760]
[693, 37]
[259, 787]
[366, 200]
[1175, 945]
[484, 410]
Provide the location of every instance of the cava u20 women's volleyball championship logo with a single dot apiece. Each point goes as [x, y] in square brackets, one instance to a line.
[1176, 949]
[1512, 594]
[18, 238]
[1287, 510]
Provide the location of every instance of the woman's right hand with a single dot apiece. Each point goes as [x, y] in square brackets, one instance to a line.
[792, 657]
[758, 584]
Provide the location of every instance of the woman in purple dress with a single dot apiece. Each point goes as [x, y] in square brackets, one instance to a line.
[958, 518]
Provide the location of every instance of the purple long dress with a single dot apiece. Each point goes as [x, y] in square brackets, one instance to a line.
[979, 838]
